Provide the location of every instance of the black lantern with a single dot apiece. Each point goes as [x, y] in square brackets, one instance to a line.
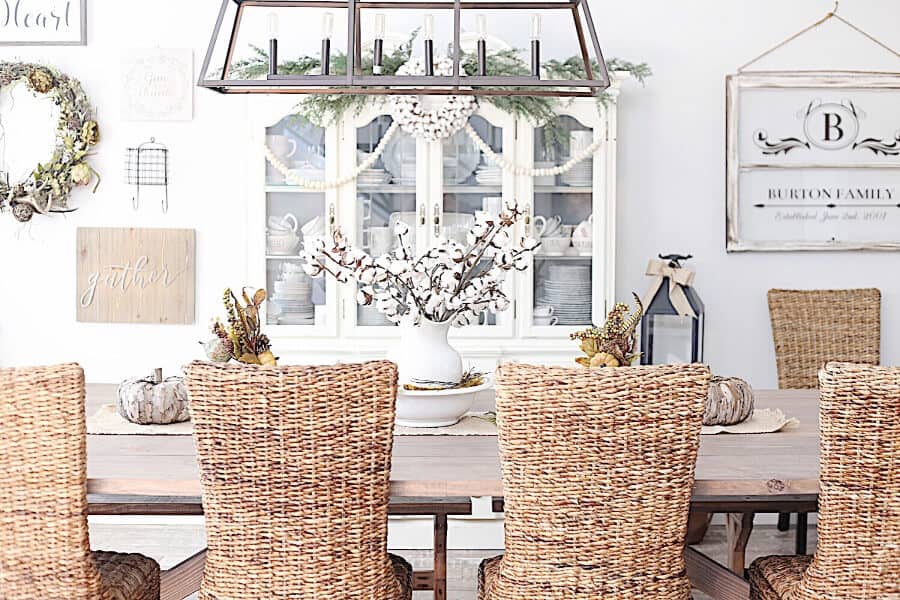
[672, 326]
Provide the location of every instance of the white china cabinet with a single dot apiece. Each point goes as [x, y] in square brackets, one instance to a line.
[437, 188]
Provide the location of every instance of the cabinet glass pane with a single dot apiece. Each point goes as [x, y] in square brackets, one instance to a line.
[563, 220]
[294, 217]
[472, 185]
[386, 194]
[300, 145]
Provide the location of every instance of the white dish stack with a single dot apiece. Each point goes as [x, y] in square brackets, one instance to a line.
[489, 175]
[567, 289]
[582, 174]
[293, 298]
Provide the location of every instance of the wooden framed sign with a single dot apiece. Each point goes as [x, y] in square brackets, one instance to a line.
[43, 22]
[813, 162]
[135, 275]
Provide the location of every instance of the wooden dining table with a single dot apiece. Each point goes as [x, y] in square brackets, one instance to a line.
[738, 475]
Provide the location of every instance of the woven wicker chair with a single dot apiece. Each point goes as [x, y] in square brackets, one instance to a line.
[858, 554]
[598, 468]
[812, 327]
[44, 548]
[295, 466]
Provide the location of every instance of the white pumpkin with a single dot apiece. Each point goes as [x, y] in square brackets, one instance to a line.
[153, 400]
[730, 401]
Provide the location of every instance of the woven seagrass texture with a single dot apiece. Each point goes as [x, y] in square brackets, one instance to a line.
[858, 552]
[44, 547]
[812, 327]
[295, 466]
[598, 468]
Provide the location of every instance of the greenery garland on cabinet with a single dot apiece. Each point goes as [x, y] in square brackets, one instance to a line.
[324, 109]
[47, 188]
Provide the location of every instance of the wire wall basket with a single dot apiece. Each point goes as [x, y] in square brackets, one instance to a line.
[148, 165]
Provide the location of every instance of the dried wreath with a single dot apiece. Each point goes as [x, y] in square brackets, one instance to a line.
[46, 190]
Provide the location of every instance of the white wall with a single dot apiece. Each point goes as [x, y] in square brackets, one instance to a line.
[671, 179]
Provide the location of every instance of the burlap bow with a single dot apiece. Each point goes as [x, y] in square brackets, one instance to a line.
[678, 279]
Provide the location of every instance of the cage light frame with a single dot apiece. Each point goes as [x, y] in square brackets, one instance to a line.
[356, 82]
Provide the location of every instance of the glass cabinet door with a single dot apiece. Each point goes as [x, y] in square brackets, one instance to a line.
[470, 185]
[564, 282]
[384, 195]
[296, 216]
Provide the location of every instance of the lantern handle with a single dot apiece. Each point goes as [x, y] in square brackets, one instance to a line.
[675, 259]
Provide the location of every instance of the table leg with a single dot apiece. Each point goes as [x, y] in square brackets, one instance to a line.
[802, 526]
[440, 557]
[713, 579]
[183, 579]
[738, 527]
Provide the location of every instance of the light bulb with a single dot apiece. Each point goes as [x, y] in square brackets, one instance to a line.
[327, 25]
[429, 27]
[481, 20]
[535, 27]
[379, 26]
[272, 22]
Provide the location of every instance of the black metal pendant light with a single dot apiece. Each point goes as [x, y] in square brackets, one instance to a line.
[219, 72]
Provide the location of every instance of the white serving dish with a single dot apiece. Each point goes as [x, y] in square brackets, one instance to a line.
[440, 408]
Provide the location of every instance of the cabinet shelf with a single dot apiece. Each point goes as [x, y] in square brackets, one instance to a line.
[563, 189]
[540, 256]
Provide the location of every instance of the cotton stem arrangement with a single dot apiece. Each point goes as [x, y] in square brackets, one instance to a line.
[450, 283]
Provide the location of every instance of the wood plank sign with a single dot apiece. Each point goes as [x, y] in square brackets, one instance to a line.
[813, 162]
[43, 22]
[135, 275]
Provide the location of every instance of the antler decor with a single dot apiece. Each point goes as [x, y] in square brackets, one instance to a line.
[614, 344]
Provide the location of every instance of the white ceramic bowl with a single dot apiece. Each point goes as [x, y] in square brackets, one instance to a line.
[555, 245]
[282, 245]
[583, 246]
[437, 408]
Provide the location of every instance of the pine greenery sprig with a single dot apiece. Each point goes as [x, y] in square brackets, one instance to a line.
[325, 109]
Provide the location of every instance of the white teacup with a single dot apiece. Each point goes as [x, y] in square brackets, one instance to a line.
[314, 227]
[287, 223]
[543, 311]
[547, 321]
[547, 227]
[585, 229]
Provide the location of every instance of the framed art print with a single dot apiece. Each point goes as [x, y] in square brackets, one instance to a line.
[43, 22]
[813, 162]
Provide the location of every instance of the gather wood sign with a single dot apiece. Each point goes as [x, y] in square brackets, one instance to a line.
[127, 275]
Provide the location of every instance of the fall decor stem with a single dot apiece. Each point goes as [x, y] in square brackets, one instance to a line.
[243, 339]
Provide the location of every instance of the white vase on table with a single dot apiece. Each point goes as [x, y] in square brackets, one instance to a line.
[424, 355]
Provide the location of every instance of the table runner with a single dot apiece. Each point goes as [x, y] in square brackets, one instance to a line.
[107, 421]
